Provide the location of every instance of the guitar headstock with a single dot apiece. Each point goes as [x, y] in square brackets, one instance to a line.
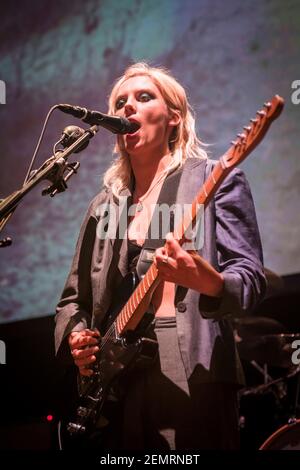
[253, 133]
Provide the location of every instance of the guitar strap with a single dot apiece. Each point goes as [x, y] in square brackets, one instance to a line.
[161, 225]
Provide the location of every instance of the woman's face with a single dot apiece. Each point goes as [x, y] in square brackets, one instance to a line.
[138, 99]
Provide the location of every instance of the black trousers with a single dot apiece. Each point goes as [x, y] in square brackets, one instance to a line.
[163, 411]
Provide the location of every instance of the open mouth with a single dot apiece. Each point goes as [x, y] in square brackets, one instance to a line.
[133, 134]
[135, 126]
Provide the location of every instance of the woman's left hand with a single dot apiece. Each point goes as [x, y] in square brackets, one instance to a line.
[187, 269]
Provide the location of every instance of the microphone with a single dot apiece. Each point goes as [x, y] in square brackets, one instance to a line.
[115, 124]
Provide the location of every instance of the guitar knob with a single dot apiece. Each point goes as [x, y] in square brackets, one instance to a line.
[74, 428]
[82, 411]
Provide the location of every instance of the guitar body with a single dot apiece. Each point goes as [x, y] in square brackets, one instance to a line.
[99, 394]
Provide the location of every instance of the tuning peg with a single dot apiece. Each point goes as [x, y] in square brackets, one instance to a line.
[234, 142]
[261, 113]
[254, 120]
[247, 128]
[241, 136]
[267, 105]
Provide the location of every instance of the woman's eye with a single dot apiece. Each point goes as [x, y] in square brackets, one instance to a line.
[120, 103]
[145, 96]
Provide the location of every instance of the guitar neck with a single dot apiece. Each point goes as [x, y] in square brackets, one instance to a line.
[138, 303]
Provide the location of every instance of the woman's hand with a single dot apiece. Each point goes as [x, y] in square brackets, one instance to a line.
[187, 269]
[84, 346]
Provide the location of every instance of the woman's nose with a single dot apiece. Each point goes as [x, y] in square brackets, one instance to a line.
[129, 108]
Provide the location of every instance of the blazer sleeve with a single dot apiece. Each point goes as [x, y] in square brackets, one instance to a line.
[239, 250]
[74, 310]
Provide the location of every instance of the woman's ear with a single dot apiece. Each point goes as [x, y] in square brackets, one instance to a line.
[174, 118]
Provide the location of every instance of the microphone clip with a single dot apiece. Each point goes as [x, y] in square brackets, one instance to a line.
[59, 181]
[74, 139]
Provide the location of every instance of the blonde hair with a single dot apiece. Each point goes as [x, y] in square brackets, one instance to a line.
[183, 141]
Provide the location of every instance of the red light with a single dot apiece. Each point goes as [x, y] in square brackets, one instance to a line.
[49, 418]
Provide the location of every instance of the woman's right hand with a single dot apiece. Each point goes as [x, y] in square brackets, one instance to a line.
[84, 345]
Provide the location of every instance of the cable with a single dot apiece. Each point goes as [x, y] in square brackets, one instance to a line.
[59, 435]
[39, 143]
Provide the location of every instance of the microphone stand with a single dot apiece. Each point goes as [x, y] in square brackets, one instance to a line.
[52, 169]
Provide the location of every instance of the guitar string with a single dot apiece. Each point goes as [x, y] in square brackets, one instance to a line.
[111, 330]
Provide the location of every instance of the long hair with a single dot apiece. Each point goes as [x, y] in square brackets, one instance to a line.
[183, 141]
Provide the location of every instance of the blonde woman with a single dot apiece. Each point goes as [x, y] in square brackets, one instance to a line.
[187, 399]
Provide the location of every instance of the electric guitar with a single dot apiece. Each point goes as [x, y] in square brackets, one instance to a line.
[123, 343]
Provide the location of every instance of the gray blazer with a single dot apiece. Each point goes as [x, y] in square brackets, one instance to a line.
[231, 244]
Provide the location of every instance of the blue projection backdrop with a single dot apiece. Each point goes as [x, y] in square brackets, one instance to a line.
[231, 56]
